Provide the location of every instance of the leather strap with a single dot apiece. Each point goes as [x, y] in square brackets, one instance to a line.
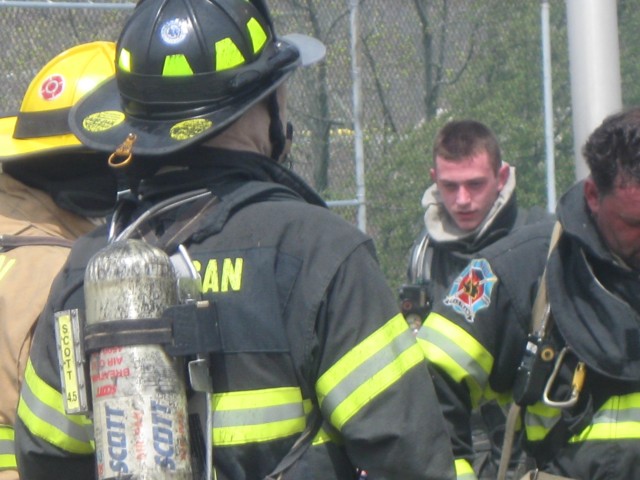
[538, 475]
[7, 242]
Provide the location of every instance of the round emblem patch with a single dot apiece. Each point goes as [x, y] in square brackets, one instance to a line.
[52, 87]
[102, 121]
[189, 128]
[174, 31]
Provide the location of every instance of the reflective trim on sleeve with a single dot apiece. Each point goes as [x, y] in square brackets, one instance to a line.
[367, 370]
[252, 416]
[457, 353]
[617, 419]
[41, 411]
[539, 419]
[321, 437]
[7, 448]
[464, 470]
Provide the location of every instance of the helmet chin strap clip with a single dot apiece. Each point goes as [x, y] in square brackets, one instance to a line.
[124, 153]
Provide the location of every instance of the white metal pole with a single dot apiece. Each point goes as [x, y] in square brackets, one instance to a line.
[594, 59]
[354, 7]
[548, 107]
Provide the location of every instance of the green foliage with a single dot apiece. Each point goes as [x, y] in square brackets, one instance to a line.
[628, 18]
[395, 190]
[501, 85]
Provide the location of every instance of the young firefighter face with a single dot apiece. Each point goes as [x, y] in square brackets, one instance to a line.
[469, 186]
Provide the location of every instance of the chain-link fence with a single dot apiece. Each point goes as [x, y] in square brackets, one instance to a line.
[422, 62]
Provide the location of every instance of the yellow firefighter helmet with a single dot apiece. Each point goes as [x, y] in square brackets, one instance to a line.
[41, 127]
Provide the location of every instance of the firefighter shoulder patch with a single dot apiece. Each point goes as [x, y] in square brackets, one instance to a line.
[471, 291]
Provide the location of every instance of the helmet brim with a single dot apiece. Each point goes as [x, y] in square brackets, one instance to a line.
[18, 149]
[311, 49]
[100, 122]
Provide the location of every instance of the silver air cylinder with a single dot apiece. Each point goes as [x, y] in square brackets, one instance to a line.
[139, 399]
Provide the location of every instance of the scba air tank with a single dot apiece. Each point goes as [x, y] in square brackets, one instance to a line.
[138, 392]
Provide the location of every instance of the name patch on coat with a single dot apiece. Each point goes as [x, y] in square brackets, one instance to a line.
[471, 291]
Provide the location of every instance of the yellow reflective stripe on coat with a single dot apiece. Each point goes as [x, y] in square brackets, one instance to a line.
[539, 419]
[464, 471]
[456, 352]
[617, 419]
[367, 370]
[7, 448]
[327, 434]
[42, 412]
[251, 416]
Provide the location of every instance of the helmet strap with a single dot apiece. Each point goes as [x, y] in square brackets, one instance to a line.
[276, 129]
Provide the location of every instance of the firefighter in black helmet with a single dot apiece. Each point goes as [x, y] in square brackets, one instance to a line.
[316, 373]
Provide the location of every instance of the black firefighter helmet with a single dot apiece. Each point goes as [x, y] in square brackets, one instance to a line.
[185, 69]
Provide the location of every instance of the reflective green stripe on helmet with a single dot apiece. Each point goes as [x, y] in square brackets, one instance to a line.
[42, 412]
[456, 352]
[252, 416]
[228, 55]
[617, 419]
[258, 36]
[7, 448]
[124, 60]
[176, 66]
[367, 370]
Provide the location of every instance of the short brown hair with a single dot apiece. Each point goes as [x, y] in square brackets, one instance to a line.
[462, 138]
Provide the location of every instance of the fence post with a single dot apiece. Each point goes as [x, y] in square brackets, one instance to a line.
[354, 8]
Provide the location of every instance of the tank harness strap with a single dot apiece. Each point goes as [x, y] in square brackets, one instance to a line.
[304, 441]
[186, 329]
[184, 226]
[538, 475]
[8, 242]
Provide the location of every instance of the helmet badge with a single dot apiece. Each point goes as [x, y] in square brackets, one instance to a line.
[52, 87]
[174, 31]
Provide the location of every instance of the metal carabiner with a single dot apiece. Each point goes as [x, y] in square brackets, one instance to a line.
[576, 383]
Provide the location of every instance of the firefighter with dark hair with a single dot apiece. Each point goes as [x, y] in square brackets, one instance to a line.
[311, 366]
[553, 321]
[52, 190]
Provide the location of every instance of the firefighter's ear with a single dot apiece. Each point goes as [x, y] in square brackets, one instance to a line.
[503, 175]
[592, 196]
